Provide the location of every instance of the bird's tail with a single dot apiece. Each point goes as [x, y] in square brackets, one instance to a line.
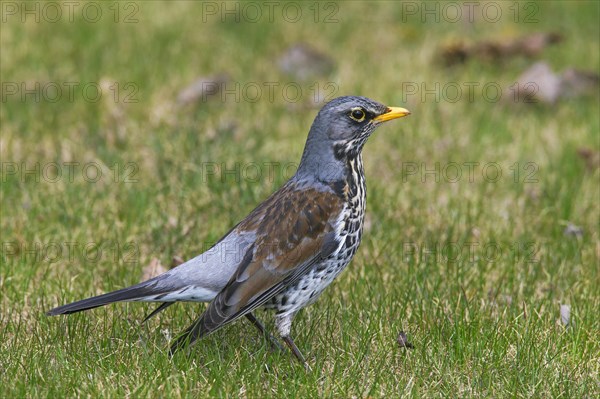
[189, 336]
[150, 290]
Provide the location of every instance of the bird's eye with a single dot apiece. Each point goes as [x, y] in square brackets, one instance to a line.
[358, 114]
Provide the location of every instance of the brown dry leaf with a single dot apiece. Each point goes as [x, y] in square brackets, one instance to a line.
[403, 341]
[176, 261]
[590, 156]
[528, 46]
[455, 53]
[153, 269]
[368, 223]
[576, 82]
[532, 45]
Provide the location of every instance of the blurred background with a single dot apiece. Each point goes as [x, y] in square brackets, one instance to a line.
[135, 134]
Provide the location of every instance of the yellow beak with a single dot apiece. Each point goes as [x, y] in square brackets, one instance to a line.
[392, 113]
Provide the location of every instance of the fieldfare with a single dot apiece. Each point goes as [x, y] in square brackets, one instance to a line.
[287, 250]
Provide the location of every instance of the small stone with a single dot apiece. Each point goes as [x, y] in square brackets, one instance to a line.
[304, 62]
[202, 89]
[573, 230]
[565, 314]
[538, 83]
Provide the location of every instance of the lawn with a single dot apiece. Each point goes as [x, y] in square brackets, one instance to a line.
[483, 215]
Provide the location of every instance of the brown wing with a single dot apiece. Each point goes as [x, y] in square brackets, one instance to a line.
[294, 230]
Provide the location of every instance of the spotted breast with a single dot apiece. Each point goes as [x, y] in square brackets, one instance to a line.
[352, 190]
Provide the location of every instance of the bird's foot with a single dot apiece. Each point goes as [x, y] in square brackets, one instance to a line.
[273, 342]
[290, 343]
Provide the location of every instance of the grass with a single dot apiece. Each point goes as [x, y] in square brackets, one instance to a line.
[473, 271]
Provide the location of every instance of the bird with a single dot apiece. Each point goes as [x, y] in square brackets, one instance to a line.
[289, 248]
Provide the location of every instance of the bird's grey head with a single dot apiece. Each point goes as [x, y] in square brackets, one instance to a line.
[339, 133]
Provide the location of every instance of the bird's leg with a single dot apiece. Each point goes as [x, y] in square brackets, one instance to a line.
[290, 343]
[284, 325]
[258, 324]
